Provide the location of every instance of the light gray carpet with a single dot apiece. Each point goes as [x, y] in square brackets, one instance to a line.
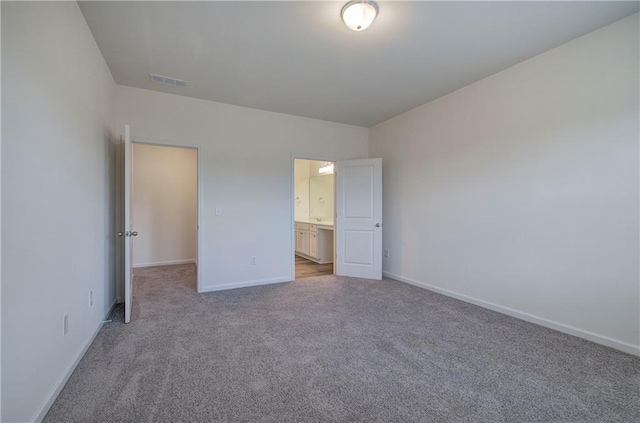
[337, 349]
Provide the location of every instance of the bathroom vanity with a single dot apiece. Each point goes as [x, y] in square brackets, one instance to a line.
[314, 240]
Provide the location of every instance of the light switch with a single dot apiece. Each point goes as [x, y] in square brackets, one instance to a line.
[218, 211]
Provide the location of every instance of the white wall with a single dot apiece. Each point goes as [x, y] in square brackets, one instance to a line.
[57, 168]
[164, 205]
[521, 191]
[245, 159]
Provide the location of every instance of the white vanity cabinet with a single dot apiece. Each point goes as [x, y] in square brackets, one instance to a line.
[302, 238]
[314, 241]
[313, 244]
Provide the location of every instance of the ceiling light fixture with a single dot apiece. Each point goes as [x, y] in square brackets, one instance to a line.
[359, 14]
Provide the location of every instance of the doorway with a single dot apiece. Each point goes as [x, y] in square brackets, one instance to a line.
[164, 209]
[314, 214]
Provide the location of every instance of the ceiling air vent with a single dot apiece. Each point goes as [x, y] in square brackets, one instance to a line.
[167, 80]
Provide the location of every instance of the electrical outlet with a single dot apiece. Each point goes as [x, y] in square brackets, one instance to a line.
[91, 298]
[65, 324]
[386, 253]
[253, 260]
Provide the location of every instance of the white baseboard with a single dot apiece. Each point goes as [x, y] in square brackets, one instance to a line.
[55, 391]
[244, 284]
[590, 336]
[165, 263]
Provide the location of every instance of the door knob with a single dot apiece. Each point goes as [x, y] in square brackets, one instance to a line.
[120, 234]
[134, 233]
[378, 225]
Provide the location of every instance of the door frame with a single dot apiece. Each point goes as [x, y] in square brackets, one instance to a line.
[175, 144]
[292, 198]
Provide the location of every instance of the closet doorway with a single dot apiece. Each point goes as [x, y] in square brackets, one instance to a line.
[314, 213]
[164, 212]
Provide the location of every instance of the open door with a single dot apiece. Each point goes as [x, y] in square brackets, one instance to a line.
[128, 233]
[359, 218]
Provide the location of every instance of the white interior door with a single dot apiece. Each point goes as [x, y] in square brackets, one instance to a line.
[359, 218]
[128, 232]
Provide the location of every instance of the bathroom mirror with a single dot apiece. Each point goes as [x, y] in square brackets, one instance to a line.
[321, 197]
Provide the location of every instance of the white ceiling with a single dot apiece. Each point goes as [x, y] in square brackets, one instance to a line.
[299, 58]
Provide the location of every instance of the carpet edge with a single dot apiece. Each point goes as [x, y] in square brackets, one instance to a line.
[551, 324]
[42, 411]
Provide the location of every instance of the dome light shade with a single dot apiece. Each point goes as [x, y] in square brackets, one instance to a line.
[359, 14]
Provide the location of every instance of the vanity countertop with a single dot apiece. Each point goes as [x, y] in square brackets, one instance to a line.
[324, 223]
